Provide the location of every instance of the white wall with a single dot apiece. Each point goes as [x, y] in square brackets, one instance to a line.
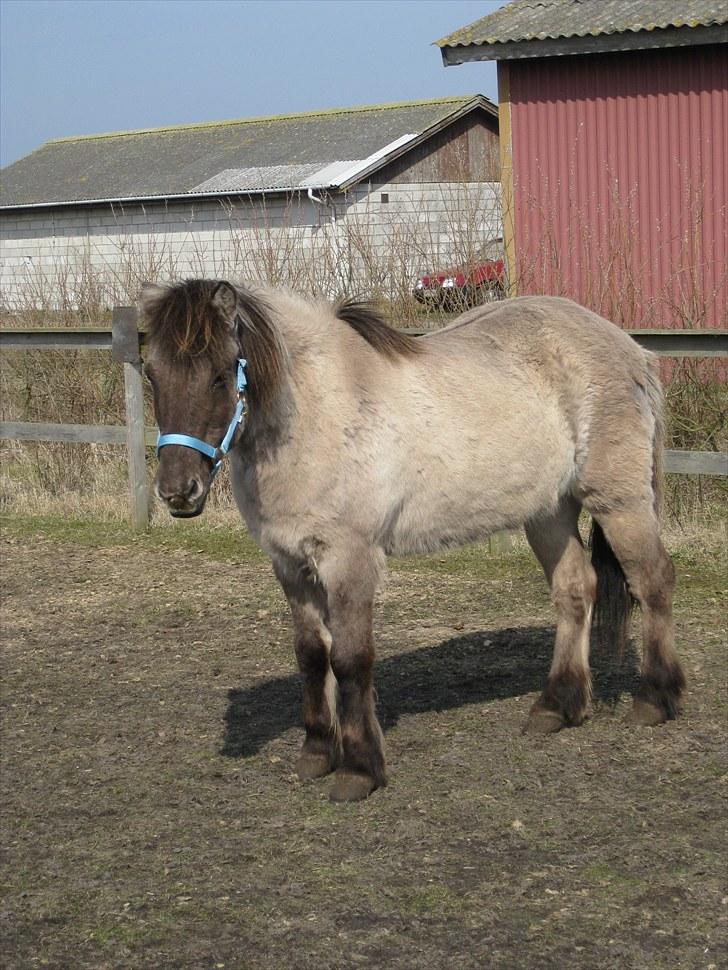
[58, 257]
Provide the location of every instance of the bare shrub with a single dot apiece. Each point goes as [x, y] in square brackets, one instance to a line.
[357, 253]
[697, 409]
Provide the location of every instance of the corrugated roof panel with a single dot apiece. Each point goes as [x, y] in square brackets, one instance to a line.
[526, 20]
[330, 174]
[270, 178]
[258, 178]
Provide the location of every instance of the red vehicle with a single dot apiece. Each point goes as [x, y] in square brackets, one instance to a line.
[478, 282]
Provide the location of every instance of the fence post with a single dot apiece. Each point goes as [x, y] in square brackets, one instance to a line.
[125, 350]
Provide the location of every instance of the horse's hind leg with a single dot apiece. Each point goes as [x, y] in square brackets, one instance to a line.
[312, 640]
[634, 537]
[556, 542]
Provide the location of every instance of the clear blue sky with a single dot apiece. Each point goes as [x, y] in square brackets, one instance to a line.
[74, 67]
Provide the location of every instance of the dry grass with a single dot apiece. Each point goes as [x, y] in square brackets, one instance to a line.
[345, 259]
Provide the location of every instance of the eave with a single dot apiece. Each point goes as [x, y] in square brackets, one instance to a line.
[141, 199]
[603, 43]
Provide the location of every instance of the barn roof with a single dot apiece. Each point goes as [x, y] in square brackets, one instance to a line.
[538, 28]
[316, 150]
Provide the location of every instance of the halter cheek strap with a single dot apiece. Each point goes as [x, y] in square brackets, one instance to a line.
[216, 455]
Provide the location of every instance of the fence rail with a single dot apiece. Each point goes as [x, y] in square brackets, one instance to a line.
[665, 343]
[91, 434]
[125, 341]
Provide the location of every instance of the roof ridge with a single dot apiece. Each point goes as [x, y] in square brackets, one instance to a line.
[463, 99]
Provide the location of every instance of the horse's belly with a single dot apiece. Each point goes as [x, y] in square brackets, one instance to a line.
[469, 491]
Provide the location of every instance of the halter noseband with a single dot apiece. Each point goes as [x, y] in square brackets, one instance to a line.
[216, 455]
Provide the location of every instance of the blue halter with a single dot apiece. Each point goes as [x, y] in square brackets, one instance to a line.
[216, 455]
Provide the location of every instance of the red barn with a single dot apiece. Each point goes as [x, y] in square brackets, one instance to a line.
[614, 152]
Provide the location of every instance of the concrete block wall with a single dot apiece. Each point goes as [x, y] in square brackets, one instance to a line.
[450, 219]
[418, 227]
[386, 230]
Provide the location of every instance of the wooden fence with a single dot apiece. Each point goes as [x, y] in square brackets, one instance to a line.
[125, 342]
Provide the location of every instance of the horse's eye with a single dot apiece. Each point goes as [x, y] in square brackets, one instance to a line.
[219, 382]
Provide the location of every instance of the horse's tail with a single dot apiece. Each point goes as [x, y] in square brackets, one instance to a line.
[614, 602]
[656, 399]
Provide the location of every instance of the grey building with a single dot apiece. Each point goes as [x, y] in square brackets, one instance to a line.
[330, 201]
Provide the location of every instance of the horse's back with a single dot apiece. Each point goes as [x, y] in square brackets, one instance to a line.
[534, 328]
[604, 382]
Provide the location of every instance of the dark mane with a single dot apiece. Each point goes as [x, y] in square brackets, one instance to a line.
[262, 346]
[215, 321]
[371, 325]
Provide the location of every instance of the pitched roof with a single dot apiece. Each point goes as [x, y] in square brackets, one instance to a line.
[537, 22]
[324, 149]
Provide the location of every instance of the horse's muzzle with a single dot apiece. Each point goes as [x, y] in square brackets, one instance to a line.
[186, 513]
[185, 501]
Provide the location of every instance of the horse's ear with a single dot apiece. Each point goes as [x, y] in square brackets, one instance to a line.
[151, 296]
[225, 299]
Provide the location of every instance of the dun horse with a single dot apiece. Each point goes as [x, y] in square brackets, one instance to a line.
[350, 441]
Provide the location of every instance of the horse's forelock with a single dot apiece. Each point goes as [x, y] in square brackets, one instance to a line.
[185, 325]
[188, 322]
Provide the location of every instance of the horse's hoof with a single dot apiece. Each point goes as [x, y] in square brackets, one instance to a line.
[645, 714]
[310, 766]
[351, 786]
[541, 720]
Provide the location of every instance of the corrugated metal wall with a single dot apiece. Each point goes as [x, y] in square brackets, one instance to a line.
[620, 176]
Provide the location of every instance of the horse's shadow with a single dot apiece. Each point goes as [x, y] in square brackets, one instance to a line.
[475, 668]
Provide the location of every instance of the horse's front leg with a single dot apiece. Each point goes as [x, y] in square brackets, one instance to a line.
[312, 641]
[350, 608]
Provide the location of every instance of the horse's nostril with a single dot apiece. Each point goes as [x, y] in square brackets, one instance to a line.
[194, 491]
[181, 496]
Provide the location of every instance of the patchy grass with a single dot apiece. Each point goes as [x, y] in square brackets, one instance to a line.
[151, 817]
[225, 542]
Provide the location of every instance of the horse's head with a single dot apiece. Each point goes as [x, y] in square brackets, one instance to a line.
[190, 361]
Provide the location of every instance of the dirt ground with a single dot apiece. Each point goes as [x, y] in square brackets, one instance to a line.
[151, 818]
